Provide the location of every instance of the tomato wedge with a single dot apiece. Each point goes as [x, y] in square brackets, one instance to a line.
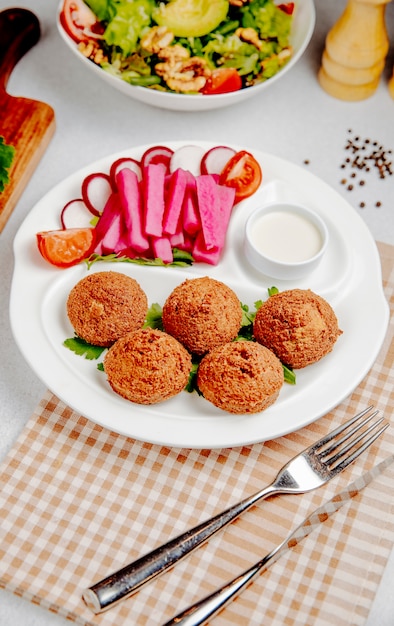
[287, 7]
[223, 80]
[243, 173]
[64, 248]
[79, 22]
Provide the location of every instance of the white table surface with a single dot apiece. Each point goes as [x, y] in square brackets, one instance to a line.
[295, 119]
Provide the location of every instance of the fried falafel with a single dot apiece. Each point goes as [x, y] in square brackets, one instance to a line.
[202, 313]
[299, 326]
[147, 366]
[106, 305]
[240, 377]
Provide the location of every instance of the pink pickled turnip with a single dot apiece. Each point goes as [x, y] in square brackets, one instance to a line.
[208, 200]
[190, 215]
[161, 247]
[110, 211]
[153, 185]
[175, 193]
[202, 255]
[131, 204]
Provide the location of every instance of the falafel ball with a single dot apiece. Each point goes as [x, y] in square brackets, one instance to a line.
[299, 326]
[147, 366]
[240, 377]
[106, 305]
[202, 313]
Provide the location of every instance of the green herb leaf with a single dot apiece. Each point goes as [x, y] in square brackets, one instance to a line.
[83, 348]
[289, 375]
[154, 317]
[272, 291]
[180, 259]
[7, 154]
[192, 382]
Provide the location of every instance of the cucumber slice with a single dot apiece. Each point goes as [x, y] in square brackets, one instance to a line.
[191, 18]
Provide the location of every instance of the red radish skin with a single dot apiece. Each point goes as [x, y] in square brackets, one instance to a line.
[214, 161]
[75, 215]
[125, 162]
[96, 189]
[157, 154]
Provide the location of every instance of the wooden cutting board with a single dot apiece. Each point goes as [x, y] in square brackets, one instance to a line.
[28, 125]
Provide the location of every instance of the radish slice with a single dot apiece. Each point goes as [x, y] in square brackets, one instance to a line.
[188, 158]
[96, 189]
[75, 214]
[215, 159]
[157, 154]
[120, 164]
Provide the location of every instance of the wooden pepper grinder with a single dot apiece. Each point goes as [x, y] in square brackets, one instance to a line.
[391, 85]
[355, 52]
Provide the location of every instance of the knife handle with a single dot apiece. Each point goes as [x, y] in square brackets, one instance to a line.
[19, 31]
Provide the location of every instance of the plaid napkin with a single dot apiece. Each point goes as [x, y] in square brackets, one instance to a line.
[79, 501]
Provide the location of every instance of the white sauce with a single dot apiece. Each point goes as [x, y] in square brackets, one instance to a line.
[286, 236]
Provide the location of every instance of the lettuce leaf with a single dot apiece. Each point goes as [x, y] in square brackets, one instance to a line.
[7, 153]
[124, 30]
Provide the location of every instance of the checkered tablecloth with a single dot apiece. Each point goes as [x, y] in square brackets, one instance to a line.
[78, 501]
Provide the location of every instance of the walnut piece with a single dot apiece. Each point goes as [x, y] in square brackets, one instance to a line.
[249, 35]
[180, 71]
[92, 50]
[157, 38]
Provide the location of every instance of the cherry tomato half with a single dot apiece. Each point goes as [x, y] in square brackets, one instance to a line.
[64, 248]
[223, 80]
[79, 22]
[243, 173]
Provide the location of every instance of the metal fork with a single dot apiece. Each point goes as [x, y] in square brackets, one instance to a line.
[310, 469]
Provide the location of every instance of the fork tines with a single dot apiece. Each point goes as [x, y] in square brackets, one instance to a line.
[355, 436]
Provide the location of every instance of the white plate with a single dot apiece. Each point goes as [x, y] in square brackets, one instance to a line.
[302, 30]
[349, 277]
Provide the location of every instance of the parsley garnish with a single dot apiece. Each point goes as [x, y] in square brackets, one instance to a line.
[83, 348]
[154, 317]
[180, 259]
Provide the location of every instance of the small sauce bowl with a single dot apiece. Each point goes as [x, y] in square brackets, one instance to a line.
[285, 241]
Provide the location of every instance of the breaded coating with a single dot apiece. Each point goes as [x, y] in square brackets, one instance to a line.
[240, 377]
[105, 306]
[299, 326]
[147, 366]
[202, 313]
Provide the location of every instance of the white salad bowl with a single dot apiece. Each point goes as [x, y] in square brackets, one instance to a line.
[302, 30]
[285, 241]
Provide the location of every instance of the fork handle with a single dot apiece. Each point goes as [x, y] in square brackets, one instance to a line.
[123, 583]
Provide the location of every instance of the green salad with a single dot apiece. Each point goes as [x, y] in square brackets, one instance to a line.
[189, 46]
